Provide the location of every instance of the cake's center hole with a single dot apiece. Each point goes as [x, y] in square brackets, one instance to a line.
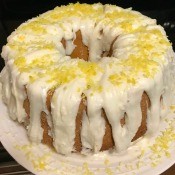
[81, 51]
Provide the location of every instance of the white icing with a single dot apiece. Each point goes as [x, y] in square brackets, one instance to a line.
[13, 92]
[69, 47]
[96, 123]
[64, 112]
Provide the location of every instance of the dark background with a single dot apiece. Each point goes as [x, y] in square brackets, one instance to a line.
[15, 12]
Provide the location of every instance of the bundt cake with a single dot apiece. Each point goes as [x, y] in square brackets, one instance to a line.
[88, 77]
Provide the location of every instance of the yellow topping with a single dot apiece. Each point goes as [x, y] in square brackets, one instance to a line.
[118, 79]
[40, 63]
[20, 62]
[77, 10]
[119, 13]
[34, 27]
[86, 170]
[172, 108]
[109, 171]
[62, 75]
[163, 142]
[89, 68]
[125, 19]
[145, 59]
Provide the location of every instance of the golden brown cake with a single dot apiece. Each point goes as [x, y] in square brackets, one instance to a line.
[88, 77]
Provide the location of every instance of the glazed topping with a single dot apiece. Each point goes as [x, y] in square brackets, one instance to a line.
[38, 57]
[39, 40]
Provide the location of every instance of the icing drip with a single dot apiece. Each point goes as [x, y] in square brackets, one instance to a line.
[37, 104]
[95, 123]
[13, 93]
[64, 112]
[155, 96]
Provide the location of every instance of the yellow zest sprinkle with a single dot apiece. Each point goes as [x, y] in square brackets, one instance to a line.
[172, 108]
[109, 171]
[86, 170]
[126, 14]
[33, 26]
[77, 9]
[149, 47]
[89, 68]
[62, 75]
[20, 62]
[39, 63]
[106, 162]
[129, 167]
[118, 79]
[139, 164]
[21, 37]
[162, 144]
[39, 164]
[123, 16]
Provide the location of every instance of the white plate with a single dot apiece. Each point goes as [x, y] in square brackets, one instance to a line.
[147, 156]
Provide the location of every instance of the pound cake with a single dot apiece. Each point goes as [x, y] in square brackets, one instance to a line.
[88, 77]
